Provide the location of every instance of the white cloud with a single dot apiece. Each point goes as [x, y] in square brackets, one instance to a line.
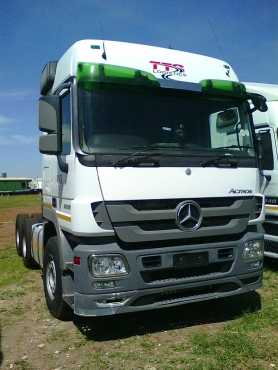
[17, 93]
[4, 120]
[8, 140]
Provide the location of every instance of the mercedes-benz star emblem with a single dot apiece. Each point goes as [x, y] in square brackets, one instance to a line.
[189, 215]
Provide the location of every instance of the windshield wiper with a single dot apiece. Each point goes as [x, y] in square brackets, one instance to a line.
[135, 159]
[221, 161]
[235, 146]
[140, 157]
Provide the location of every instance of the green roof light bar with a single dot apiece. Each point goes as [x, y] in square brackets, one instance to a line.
[89, 74]
[223, 87]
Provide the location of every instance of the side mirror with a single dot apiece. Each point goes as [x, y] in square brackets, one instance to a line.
[50, 124]
[258, 101]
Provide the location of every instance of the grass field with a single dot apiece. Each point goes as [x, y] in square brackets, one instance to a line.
[224, 334]
[19, 201]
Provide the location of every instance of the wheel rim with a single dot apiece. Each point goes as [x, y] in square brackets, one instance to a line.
[24, 248]
[51, 279]
[17, 240]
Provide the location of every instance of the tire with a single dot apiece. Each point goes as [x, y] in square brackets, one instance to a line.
[19, 224]
[28, 260]
[52, 282]
[36, 216]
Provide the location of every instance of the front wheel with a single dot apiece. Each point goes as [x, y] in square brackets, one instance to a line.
[52, 282]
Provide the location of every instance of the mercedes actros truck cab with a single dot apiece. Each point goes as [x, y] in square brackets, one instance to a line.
[266, 125]
[151, 192]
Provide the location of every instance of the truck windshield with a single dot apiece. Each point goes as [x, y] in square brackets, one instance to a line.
[116, 119]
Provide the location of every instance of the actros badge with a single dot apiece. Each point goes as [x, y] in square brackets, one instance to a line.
[240, 191]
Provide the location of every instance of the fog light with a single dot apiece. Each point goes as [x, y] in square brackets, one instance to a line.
[255, 265]
[253, 250]
[108, 284]
[108, 265]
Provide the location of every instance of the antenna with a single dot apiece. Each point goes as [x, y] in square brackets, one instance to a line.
[104, 56]
[217, 42]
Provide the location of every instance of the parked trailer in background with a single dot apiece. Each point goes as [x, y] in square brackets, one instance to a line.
[151, 185]
[266, 124]
[15, 185]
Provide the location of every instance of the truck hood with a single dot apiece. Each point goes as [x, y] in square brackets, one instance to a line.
[167, 182]
[142, 202]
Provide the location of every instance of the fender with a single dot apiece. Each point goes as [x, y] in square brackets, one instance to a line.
[52, 228]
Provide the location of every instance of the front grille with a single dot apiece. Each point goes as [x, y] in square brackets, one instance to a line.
[156, 204]
[258, 206]
[270, 246]
[171, 224]
[162, 275]
[251, 280]
[168, 297]
[154, 220]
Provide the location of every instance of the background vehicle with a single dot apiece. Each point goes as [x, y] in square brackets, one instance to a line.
[151, 187]
[15, 185]
[266, 124]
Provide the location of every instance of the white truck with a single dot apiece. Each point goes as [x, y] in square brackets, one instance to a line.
[266, 124]
[151, 181]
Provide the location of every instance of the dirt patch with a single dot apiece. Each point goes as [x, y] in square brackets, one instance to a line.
[7, 223]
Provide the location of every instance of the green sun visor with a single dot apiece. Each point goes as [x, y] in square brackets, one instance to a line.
[223, 87]
[89, 74]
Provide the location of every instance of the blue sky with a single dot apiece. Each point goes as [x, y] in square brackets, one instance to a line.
[243, 32]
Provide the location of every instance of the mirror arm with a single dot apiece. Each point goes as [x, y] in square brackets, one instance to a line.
[62, 87]
[252, 110]
[64, 167]
[266, 180]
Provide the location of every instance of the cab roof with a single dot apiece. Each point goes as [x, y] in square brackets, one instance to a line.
[269, 91]
[162, 62]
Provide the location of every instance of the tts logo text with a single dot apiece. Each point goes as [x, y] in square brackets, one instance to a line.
[166, 70]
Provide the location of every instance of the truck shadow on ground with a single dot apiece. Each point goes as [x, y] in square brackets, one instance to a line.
[127, 325]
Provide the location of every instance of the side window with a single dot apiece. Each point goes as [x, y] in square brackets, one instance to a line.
[66, 124]
[267, 156]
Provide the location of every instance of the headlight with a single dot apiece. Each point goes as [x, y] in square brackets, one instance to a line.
[253, 250]
[108, 265]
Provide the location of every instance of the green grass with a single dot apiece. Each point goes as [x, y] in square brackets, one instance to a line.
[23, 365]
[11, 266]
[19, 201]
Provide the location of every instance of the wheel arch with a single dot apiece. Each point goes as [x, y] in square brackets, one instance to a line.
[52, 229]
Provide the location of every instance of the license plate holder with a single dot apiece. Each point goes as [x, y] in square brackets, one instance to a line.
[187, 260]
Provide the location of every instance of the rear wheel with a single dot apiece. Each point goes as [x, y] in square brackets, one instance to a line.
[36, 216]
[19, 224]
[52, 282]
[28, 260]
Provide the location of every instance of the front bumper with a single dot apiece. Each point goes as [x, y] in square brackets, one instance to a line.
[146, 288]
[141, 300]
